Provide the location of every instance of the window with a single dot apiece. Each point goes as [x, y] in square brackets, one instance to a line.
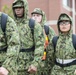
[67, 3]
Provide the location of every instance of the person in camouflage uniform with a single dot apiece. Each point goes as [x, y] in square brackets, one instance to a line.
[30, 58]
[63, 54]
[40, 17]
[9, 47]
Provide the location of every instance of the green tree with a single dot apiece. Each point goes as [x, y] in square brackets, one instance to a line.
[8, 10]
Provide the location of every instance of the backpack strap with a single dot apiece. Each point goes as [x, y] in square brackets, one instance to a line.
[54, 41]
[31, 25]
[3, 22]
[74, 40]
[46, 28]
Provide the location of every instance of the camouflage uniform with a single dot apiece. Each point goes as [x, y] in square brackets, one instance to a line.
[46, 69]
[64, 50]
[11, 42]
[26, 57]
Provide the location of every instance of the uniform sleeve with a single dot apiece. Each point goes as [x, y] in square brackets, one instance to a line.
[50, 56]
[13, 44]
[49, 59]
[39, 45]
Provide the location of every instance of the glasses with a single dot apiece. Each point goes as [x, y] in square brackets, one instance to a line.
[64, 23]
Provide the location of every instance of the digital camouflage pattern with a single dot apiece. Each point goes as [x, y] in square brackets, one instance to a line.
[45, 70]
[64, 50]
[43, 22]
[25, 59]
[8, 59]
[39, 11]
[50, 36]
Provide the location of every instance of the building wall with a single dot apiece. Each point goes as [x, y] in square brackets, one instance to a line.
[52, 8]
[5, 2]
[43, 4]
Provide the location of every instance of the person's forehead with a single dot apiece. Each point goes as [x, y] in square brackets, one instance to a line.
[19, 7]
[36, 14]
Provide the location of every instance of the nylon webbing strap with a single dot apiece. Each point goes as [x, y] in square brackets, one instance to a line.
[74, 40]
[46, 29]
[3, 21]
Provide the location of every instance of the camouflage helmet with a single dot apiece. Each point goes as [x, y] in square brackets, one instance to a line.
[18, 4]
[37, 11]
[64, 17]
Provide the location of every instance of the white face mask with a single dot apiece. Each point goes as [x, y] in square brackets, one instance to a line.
[37, 17]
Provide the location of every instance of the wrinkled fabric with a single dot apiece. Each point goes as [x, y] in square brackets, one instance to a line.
[8, 59]
[45, 70]
[51, 34]
[26, 12]
[47, 61]
[64, 50]
[39, 11]
[25, 59]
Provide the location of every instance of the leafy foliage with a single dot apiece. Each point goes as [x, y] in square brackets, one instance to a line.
[8, 10]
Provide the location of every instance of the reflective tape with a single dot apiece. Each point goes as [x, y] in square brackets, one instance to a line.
[64, 61]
